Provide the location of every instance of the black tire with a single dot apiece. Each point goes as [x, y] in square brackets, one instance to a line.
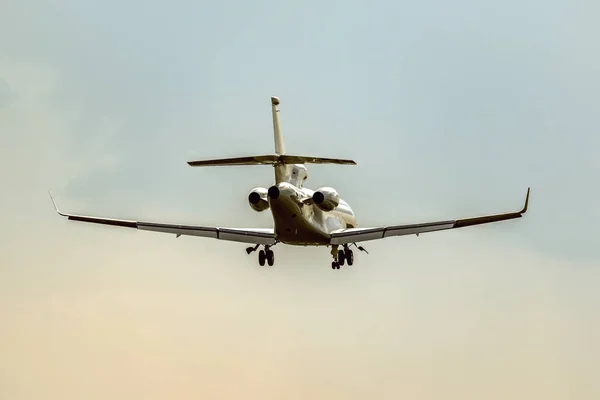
[349, 257]
[270, 257]
[341, 257]
[261, 257]
[334, 265]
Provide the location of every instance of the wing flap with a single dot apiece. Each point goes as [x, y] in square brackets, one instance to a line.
[257, 235]
[352, 235]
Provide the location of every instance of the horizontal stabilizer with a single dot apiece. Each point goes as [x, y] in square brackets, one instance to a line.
[270, 159]
[251, 160]
[287, 159]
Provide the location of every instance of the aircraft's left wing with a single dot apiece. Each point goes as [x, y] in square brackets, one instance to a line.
[250, 235]
[352, 235]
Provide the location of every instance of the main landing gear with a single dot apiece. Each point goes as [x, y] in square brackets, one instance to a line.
[263, 255]
[340, 256]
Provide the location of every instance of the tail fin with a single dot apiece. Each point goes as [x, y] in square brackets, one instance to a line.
[279, 145]
[279, 160]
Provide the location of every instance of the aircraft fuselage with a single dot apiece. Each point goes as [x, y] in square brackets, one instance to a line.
[297, 222]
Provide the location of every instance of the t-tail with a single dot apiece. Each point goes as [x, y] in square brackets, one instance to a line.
[280, 160]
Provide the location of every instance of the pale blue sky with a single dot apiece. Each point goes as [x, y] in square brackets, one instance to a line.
[451, 109]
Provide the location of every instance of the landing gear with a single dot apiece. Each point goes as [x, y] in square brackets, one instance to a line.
[349, 255]
[345, 255]
[335, 254]
[270, 257]
[265, 255]
[341, 257]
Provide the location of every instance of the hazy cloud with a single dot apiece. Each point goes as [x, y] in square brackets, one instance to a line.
[7, 96]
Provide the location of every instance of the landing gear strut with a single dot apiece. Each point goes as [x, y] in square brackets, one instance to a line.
[263, 255]
[335, 253]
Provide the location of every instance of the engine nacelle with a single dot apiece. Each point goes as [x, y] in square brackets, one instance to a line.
[326, 198]
[258, 199]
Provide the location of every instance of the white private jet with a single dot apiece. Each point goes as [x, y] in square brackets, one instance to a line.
[301, 217]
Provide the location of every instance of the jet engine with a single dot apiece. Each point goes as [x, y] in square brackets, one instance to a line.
[326, 198]
[258, 199]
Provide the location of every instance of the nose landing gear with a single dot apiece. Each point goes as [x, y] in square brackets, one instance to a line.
[263, 255]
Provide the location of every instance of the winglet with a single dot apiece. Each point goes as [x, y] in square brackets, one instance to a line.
[54, 203]
[524, 210]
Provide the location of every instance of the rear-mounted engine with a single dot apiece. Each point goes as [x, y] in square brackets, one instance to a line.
[326, 198]
[258, 199]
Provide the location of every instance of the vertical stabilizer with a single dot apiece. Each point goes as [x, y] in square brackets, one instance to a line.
[288, 167]
[279, 146]
[281, 171]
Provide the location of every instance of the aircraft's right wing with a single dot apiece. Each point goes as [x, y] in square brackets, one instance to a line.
[352, 235]
[244, 235]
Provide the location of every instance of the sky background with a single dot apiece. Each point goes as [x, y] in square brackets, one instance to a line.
[451, 109]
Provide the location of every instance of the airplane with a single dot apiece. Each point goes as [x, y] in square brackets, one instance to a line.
[301, 216]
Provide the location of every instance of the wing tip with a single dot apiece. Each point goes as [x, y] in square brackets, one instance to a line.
[54, 204]
[526, 206]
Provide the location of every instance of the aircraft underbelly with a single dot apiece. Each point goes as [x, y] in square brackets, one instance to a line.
[293, 224]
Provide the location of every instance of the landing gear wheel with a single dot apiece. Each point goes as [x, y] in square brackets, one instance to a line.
[349, 257]
[270, 258]
[335, 265]
[341, 257]
[261, 257]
